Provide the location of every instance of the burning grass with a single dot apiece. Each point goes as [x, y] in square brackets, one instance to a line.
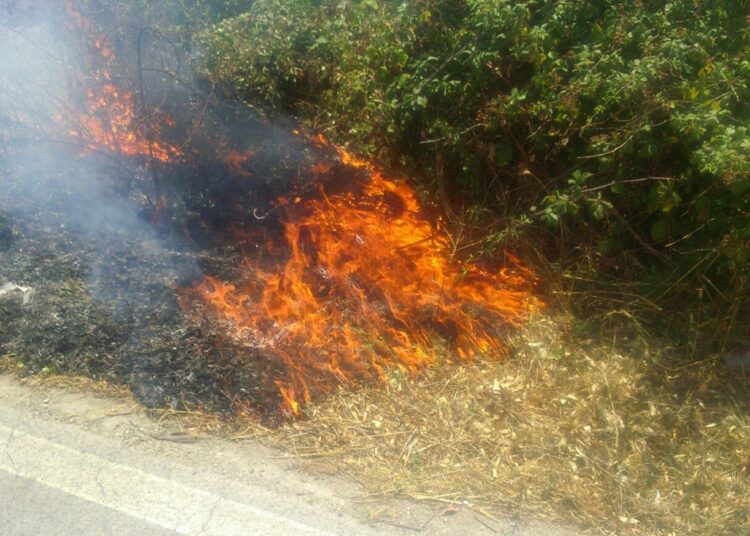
[615, 438]
[362, 291]
[361, 284]
[110, 121]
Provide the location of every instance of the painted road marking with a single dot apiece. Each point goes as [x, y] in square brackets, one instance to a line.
[166, 503]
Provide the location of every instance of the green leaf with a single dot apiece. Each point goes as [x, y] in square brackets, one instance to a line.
[598, 212]
[660, 230]
[579, 177]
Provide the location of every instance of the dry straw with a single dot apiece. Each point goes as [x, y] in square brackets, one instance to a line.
[578, 433]
[614, 438]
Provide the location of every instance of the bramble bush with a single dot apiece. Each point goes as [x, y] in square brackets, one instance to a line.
[612, 134]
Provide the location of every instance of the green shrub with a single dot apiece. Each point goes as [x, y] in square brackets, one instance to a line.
[620, 126]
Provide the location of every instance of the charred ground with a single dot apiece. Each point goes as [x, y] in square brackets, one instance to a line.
[98, 236]
[105, 287]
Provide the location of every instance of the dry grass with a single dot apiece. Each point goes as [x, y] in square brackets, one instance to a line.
[80, 383]
[11, 364]
[569, 431]
[615, 438]
[8, 363]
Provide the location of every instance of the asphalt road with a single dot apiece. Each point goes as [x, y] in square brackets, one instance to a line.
[33, 508]
[56, 479]
[74, 463]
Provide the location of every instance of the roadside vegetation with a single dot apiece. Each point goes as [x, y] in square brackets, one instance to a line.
[616, 437]
[604, 143]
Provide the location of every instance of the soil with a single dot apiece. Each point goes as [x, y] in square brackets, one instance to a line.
[106, 268]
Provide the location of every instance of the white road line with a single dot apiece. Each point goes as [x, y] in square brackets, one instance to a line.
[148, 497]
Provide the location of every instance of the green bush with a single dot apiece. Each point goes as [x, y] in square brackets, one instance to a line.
[622, 127]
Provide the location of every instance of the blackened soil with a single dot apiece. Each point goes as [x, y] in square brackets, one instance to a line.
[109, 310]
[107, 270]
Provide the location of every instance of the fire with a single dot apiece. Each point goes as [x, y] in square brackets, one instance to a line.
[359, 283]
[108, 120]
[368, 286]
[236, 162]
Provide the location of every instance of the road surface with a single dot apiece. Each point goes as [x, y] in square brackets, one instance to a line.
[74, 463]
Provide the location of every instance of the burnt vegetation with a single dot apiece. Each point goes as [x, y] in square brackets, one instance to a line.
[173, 220]
[105, 232]
[132, 180]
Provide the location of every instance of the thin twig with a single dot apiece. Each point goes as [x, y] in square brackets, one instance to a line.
[629, 181]
[606, 153]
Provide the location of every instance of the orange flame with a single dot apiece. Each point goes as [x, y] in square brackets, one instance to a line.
[109, 120]
[368, 286]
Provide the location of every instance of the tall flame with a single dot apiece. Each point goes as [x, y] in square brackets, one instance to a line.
[368, 286]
